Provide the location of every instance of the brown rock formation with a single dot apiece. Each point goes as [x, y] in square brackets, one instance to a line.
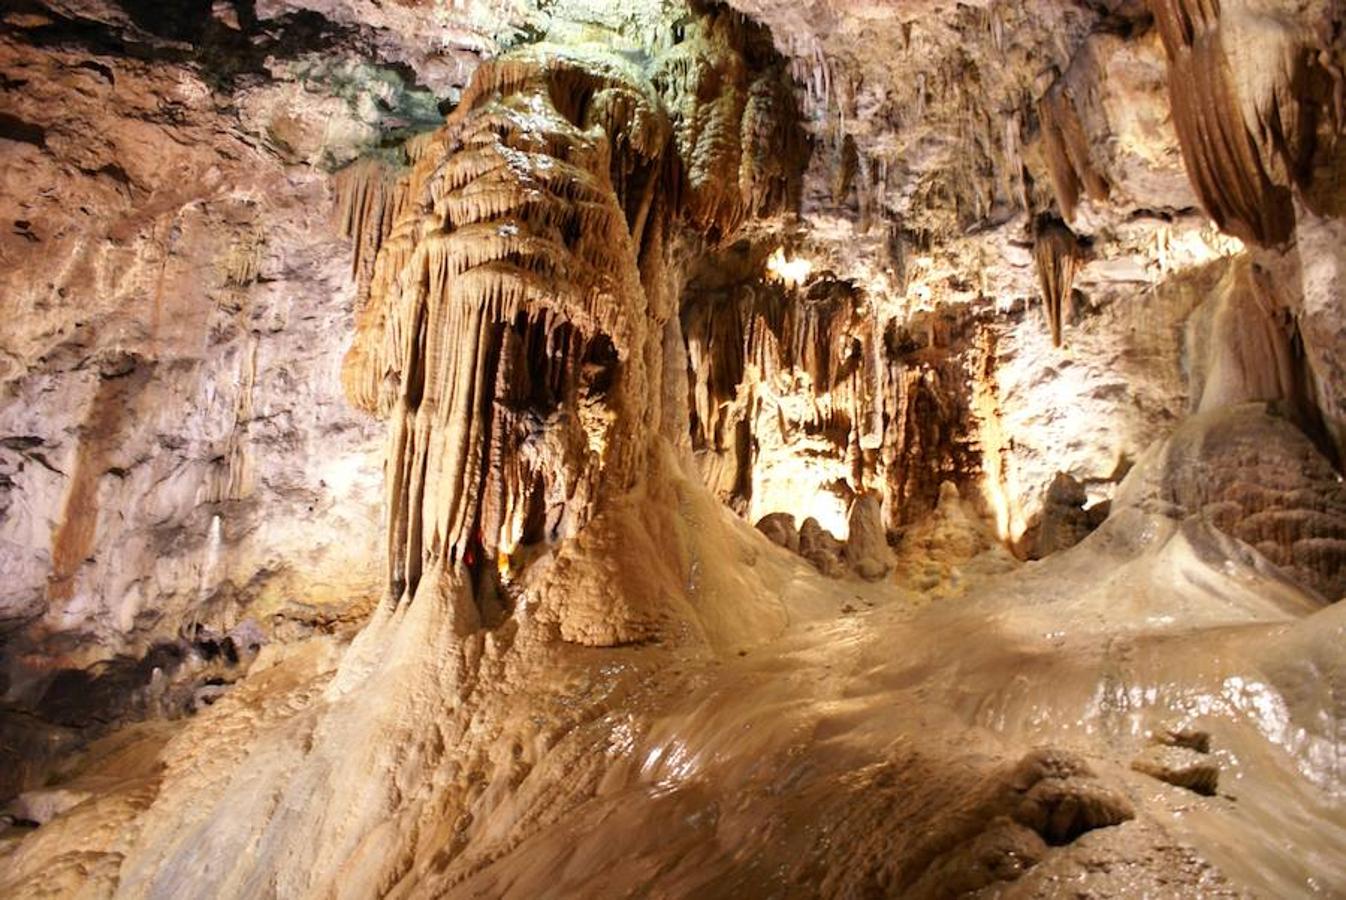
[507, 329]
[911, 286]
[1257, 477]
[1248, 90]
[1057, 254]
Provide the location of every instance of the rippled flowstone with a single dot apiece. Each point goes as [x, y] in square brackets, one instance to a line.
[1062, 799]
[1180, 766]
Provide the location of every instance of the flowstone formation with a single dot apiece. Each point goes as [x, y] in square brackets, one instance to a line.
[787, 448]
[502, 302]
[507, 332]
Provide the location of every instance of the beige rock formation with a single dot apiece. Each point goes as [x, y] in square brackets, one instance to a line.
[388, 392]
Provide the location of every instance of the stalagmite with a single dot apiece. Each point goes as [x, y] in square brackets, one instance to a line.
[569, 449]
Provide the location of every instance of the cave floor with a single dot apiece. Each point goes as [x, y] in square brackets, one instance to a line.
[883, 742]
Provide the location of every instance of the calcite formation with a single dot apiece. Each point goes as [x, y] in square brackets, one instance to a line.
[1248, 89]
[763, 341]
[799, 383]
[1057, 254]
[507, 333]
[1181, 767]
[389, 392]
[1068, 150]
[1254, 475]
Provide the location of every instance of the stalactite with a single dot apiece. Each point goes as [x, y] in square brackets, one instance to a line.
[926, 410]
[506, 325]
[1057, 253]
[1247, 91]
[783, 379]
[768, 334]
[371, 194]
[1067, 151]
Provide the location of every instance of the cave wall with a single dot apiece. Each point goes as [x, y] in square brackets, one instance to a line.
[1110, 122]
[180, 468]
[176, 454]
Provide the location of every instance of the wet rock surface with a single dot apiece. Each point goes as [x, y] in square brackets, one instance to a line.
[1181, 767]
[387, 390]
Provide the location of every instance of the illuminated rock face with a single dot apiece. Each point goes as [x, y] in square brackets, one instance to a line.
[503, 304]
[506, 333]
[432, 565]
[806, 397]
[173, 451]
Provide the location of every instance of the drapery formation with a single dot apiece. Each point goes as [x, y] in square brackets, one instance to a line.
[1247, 91]
[502, 301]
[505, 330]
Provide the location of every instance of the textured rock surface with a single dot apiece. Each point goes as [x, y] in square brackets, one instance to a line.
[174, 450]
[1181, 767]
[924, 279]
[1065, 519]
[1255, 476]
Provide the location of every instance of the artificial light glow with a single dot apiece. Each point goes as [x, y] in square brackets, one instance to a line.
[1000, 483]
[794, 472]
[797, 487]
[920, 292]
[345, 474]
[210, 568]
[1181, 248]
[790, 272]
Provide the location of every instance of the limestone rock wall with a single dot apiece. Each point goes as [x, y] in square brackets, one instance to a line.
[1112, 181]
[177, 459]
[571, 241]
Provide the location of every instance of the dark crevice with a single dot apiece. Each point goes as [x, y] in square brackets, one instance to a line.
[101, 70]
[15, 129]
[186, 32]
